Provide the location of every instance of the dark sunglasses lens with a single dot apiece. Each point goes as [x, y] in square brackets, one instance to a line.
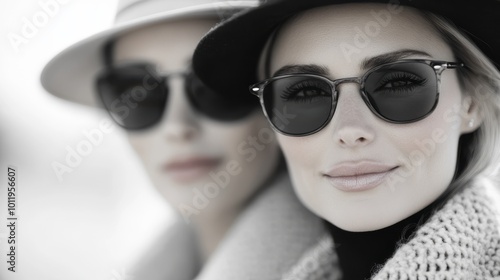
[134, 97]
[403, 92]
[299, 104]
[218, 106]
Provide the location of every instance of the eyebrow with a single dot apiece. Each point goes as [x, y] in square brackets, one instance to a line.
[302, 68]
[390, 57]
[365, 64]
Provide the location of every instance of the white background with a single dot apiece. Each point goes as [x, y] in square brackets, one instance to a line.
[102, 217]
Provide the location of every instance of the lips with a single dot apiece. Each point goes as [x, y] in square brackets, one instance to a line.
[358, 176]
[183, 170]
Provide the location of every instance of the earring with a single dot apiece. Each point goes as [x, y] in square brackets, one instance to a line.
[471, 122]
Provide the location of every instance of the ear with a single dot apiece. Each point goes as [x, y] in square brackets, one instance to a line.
[471, 118]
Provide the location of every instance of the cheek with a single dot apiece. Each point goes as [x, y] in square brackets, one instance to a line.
[249, 146]
[151, 149]
[437, 133]
[246, 141]
[303, 157]
[429, 147]
[299, 153]
[142, 143]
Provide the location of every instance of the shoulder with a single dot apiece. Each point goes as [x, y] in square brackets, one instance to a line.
[461, 239]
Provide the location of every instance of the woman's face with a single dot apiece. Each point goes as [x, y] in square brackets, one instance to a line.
[195, 162]
[360, 172]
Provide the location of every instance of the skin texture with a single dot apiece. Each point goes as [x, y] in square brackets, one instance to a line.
[184, 134]
[423, 153]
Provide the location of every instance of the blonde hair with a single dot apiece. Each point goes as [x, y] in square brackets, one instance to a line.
[479, 151]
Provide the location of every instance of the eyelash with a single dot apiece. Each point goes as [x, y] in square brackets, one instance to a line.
[400, 76]
[290, 93]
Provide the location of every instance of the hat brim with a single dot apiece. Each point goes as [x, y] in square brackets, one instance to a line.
[226, 58]
[71, 74]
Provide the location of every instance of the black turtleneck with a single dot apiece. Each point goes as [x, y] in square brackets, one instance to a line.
[361, 253]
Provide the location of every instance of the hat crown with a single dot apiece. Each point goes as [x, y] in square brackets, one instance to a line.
[131, 10]
[60, 76]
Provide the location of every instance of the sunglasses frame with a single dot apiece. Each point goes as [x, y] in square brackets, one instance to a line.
[239, 108]
[152, 71]
[437, 65]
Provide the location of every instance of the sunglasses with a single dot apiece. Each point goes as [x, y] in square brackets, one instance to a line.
[136, 96]
[400, 92]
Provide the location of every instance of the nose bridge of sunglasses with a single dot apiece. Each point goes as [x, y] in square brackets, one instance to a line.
[339, 83]
[171, 80]
[348, 95]
[179, 108]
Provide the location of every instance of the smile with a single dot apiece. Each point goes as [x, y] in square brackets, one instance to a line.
[355, 177]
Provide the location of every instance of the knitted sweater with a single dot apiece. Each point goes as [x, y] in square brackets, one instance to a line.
[268, 238]
[460, 241]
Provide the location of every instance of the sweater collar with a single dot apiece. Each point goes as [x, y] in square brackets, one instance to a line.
[460, 240]
[360, 253]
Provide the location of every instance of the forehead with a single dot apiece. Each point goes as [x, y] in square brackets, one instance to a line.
[346, 35]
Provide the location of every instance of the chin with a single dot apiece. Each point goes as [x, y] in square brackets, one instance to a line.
[363, 224]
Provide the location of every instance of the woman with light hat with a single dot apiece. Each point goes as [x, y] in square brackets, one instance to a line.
[213, 159]
[392, 128]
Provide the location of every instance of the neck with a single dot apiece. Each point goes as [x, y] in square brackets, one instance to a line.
[362, 253]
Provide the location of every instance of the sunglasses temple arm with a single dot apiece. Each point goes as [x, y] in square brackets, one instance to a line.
[453, 65]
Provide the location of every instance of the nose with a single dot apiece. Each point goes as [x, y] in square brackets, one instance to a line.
[353, 120]
[180, 122]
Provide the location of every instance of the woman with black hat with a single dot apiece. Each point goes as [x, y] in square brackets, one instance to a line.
[215, 160]
[388, 115]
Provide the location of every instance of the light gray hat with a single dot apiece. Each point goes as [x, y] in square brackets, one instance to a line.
[71, 74]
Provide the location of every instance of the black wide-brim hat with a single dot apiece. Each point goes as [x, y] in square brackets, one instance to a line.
[226, 58]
